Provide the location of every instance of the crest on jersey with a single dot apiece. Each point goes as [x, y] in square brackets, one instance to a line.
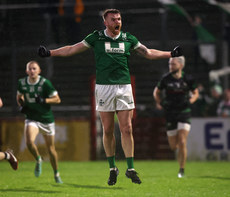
[124, 37]
[39, 89]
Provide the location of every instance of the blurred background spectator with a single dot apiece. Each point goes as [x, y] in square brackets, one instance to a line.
[216, 92]
[71, 12]
[223, 108]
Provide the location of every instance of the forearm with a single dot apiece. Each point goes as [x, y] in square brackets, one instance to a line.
[20, 99]
[53, 100]
[63, 51]
[153, 54]
[156, 95]
[194, 97]
[1, 103]
[69, 50]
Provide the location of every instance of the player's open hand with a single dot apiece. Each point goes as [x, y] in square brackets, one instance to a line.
[176, 52]
[43, 51]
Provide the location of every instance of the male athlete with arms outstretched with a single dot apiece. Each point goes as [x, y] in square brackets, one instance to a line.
[113, 87]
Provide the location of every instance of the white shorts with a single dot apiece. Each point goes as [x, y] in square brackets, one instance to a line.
[46, 129]
[180, 125]
[114, 97]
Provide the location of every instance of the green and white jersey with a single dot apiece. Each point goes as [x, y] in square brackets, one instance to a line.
[35, 111]
[111, 55]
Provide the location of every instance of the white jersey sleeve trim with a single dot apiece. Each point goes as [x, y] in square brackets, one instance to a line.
[19, 93]
[137, 45]
[86, 44]
[53, 94]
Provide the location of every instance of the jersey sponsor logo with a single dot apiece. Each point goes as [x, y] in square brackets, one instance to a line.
[109, 49]
[30, 100]
[170, 85]
[31, 88]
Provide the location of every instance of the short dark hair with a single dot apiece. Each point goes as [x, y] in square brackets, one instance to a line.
[108, 11]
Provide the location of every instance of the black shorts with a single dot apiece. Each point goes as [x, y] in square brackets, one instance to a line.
[172, 118]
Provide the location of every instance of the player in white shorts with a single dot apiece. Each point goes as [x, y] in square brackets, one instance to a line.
[45, 129]
[35, 95]
[110, 98]
[112, 49]
[180, 126]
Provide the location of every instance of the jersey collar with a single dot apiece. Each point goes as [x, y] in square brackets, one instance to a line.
[114, 38]
[28, 81]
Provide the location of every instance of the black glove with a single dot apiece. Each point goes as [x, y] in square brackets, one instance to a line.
[40, 100]
[176, 52]
[21, 102]
[43, 52]
[22, 108]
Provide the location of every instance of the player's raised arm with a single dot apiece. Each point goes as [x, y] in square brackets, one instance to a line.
[62, 51]
[157, 54]
[1, 103]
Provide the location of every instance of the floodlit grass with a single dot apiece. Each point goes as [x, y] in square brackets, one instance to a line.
[159, 178]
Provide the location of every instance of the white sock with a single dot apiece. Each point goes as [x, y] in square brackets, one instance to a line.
[57, 174]
[7, 155]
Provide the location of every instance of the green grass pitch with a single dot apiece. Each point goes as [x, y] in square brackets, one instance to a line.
[159, 178]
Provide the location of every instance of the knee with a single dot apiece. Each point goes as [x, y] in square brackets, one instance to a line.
[182, 143]
[108, 131]
[126, 130]
[29, 143]
[51, 150]
[173, 147]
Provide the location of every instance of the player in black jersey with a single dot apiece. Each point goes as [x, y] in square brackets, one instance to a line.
[174, 93]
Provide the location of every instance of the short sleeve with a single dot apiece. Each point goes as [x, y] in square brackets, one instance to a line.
[134, 41]
[49, 89]
[161, 84]
[19, 86]
[191, 82]
[89, 40]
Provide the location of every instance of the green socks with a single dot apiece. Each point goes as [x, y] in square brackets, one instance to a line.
[111, 161]
[38, 158]
[130, 162]
[56, 173]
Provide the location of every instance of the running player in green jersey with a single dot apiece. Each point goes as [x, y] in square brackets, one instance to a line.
[113, 88]
[177, 86]
[35, 94]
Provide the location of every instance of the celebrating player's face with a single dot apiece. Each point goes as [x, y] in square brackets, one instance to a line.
[174, 65]
[33, 70]
[113, 23]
